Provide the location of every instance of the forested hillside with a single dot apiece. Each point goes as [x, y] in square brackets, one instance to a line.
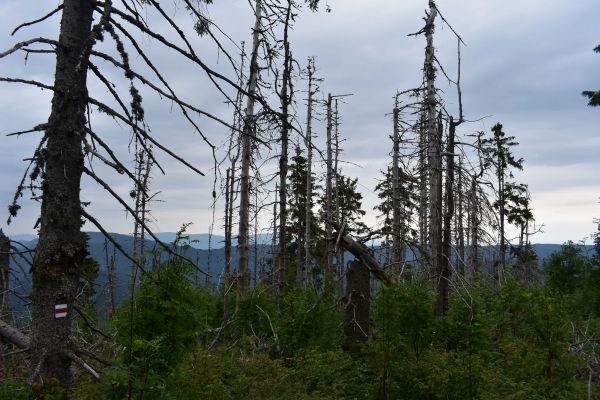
[429, 281]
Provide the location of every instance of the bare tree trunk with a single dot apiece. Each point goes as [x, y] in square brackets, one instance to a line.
[61, 248]
[236, 140]
[423, 200]
[112, 285]
[142, 172]
[4, 275]
[255, 241]
[285, 97]
[434, 149]
[397, 245]
[500, 266]
[308, 222]
[446, 272]
[329, 194]
[274, 251]
[248, 132]
[228, 201]
[474, 230]
[460, 224]
[339, 252]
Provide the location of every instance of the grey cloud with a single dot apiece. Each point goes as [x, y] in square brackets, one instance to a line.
[524, 65]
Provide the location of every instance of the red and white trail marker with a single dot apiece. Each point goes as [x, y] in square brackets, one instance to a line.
[60, 311]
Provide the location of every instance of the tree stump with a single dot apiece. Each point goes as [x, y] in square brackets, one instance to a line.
[357, 304]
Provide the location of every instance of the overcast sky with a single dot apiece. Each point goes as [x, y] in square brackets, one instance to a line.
[525, 65]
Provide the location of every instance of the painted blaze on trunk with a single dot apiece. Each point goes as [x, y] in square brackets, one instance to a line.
[61, 249]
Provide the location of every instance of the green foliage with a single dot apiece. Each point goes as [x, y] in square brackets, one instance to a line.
[574, 274]
[407, 198]
[349, 200]
[233, 375]
[156, 329]
[312, 4]
[18, 389]
[506, 344]
[593, 95]
[252, 319]
[332, 374]
[403, 317]
[566, 269]
[13, 389]
[298, 203]
[510, 344]
[307, 320]
[497, 150]
[531, 332]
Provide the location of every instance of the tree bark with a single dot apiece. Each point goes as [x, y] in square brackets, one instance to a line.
[500, 266]
[285, 98]
[423, 199]
[228, 199]
[329, 194]
[446, 268]
[248, 133]
[308, 215]
[337, 214]
[474, 231]
[4, 275]
[397, 245]
[358, 301]
[434, 149]
[112, 284]
[13, 336]
[61, 248]
[460, 223]
[361, 252]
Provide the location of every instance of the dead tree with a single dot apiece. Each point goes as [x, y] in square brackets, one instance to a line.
[235, 143]
[361, 252]
[460, 230]
[473, 214]
[329, 192]
[61, 248]
[337, 212]
[357, 305]
[143, 166]
[434, 147]
[285, 97]
[4, 275]
[309, 189]
[446, 269]
[110, 262]
[397, 259]
[69, 141]
[423, 198]
[248, 132]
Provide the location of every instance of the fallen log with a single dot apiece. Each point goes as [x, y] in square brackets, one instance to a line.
[361, 252]
[22, 341]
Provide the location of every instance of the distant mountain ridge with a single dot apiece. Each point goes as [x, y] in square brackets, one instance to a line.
[205, 241]
[212, 261]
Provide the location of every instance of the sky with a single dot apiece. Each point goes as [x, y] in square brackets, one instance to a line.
[525, 64]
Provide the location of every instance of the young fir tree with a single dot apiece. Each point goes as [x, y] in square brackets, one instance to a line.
[407, 201]
[498, 154]
[298, 207]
